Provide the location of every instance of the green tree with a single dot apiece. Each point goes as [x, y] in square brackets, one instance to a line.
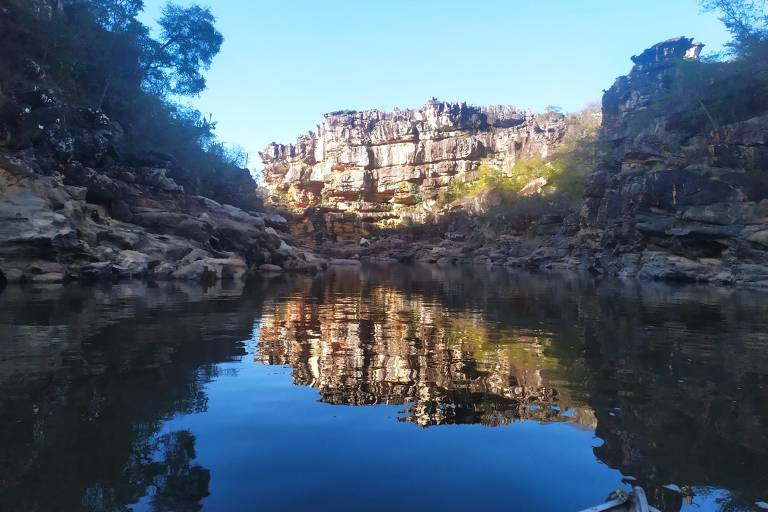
[747, 21]
[188, 43]
[172, 65]
[114, 15]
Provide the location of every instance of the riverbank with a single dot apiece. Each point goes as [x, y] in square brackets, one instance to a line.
[68, 222]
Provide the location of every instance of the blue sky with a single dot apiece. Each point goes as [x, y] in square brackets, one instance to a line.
[285, 63]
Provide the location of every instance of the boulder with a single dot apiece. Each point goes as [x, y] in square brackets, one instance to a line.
[130, 263]
[96, 271]
[213, 269]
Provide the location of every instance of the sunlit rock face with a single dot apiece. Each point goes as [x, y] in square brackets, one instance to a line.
[392, 348]
[379, 169]
[680, 191]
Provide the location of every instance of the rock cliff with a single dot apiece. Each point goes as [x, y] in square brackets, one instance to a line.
[72, 208]
[679, 190]
[681, 187]
[82, 197]
[373, 169]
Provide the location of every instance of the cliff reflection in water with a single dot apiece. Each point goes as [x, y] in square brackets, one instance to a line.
[674, 380]
[362, 342]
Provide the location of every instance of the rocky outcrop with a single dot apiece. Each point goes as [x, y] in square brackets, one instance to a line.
[84, 196]
[365, 170]
[681, 188]
[72, 222]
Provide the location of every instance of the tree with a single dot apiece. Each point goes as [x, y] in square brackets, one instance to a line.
[188, 43]
[114, 15]
[168, 66]
[98, 54]
[747, 21]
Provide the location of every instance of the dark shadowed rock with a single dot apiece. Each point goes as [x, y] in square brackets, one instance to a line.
[669, 198]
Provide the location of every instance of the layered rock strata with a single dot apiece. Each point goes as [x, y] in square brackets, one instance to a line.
[681, 187]
[679, 191]
[70, 222]
[366, 170]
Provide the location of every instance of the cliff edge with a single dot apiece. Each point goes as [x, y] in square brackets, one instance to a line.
[680, 190]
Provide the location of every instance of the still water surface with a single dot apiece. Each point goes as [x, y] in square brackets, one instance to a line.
[382, 388]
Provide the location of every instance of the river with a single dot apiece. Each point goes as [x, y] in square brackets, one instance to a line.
[382, 388]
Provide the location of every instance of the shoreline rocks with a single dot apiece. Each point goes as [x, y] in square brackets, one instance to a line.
[53, 232]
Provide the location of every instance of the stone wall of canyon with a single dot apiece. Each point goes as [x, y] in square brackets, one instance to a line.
[679, 189]
[364, 170]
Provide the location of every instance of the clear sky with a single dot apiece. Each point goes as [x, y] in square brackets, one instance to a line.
[285, 63]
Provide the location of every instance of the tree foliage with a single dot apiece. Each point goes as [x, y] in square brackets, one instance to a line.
[174, 63]
[565, 170]
[747, 21]
[114, 15]
[188, 43]
[98, 54]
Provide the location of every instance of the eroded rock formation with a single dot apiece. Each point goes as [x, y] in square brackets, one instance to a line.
[679, 191]
[681, 188]
[373, 169]
[61, 222]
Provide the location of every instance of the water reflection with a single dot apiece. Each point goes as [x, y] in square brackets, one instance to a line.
[87, 378]
[672, 380]
[362, 344]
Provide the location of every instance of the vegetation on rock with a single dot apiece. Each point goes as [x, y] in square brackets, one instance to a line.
[62, 57]
[538, 185]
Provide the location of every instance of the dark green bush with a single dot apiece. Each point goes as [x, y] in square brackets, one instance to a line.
[96, 54]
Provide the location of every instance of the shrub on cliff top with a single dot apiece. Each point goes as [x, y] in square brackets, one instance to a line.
[735, 89]
[565, 170]
[747, 21]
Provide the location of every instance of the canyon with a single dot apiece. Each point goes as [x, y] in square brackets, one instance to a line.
[679, 189]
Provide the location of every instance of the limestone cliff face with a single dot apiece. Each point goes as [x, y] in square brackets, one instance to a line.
[380, 169]
[681, 188]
